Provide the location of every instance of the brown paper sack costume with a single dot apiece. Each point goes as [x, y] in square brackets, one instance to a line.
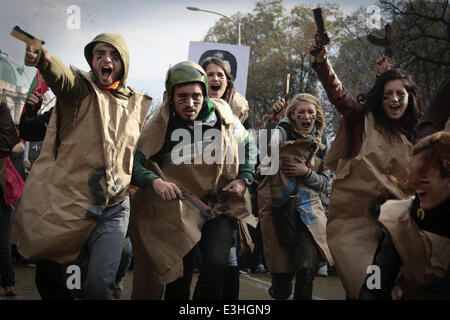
[279, 258]
[239, 106]
[167, 230]
[91, 168]
[362, 184]
[425, 255]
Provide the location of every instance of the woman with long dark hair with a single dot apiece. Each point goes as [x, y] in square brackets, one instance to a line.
[371, 157]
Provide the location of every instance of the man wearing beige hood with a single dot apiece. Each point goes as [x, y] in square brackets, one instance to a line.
[76, 197]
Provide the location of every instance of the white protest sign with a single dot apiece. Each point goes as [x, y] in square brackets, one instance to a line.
[236, 57]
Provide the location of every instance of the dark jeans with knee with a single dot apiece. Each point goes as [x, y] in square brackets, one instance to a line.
[307, 259]
[99, 260]
[215, 244]
[6, 264]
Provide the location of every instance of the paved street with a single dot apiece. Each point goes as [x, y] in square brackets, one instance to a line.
[252, 286]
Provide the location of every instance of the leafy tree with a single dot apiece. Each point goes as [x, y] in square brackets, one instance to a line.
[421, 37]
[278, 41]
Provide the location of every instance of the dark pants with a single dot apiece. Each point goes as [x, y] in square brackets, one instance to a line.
[99, 260]
[125, 260]
[51, 277]
[51, 280]
[215, 244]
[307, 258]
[6, 265]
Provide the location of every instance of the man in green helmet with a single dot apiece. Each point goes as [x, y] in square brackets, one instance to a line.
[171, 158]
[75, 206]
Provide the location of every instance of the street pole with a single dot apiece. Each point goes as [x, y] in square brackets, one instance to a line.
[238, 24]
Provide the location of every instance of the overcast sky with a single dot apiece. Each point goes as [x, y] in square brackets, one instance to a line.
[157, 32]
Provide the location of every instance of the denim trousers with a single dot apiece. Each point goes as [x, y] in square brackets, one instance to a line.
[98, 261]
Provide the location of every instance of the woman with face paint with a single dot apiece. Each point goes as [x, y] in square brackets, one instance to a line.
[302, 149]
[414, 254]
[371, 157]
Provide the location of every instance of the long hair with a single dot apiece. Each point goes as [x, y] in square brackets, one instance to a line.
[373, 103]
[229, 91]
[320, 118]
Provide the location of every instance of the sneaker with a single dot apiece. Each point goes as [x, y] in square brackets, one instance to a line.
[332, 271]
[118, 288]
[323, 271]
[245, 271]
[260, 269]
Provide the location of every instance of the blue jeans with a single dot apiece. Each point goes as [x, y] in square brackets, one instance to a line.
[103, 252]
[125, 261]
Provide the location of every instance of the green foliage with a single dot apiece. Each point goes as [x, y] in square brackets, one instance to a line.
[421, 37]
[278, 41]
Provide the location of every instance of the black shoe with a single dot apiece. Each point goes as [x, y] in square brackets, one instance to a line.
[332, 270]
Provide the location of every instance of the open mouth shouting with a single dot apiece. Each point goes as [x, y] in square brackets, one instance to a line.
[216, 90]
[105, 75]
[306, 125]
[395, 108]
[421, 194]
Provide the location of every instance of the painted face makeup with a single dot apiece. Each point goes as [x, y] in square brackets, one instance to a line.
[395, 99]
[217, 81]
[304, 116]
[188, 101]
[107, 64]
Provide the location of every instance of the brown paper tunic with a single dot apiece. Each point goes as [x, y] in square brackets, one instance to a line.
[280, 259]
[374, 174]
[167, 230]
[239, 106]
[425, 255]
[90, 170]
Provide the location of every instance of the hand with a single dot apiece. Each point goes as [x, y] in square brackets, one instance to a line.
[298, 169]
[27, 164]
[322, 55]
[18, 148]
[33, 104]
[279, 107]
[382, 64]
[31, 56]
[166, 190]
[236, 188]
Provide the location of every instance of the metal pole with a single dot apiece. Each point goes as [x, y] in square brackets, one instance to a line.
[238, 24]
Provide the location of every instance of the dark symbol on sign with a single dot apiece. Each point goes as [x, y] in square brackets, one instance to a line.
[223, 55]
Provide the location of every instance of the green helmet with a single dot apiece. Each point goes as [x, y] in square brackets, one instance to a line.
[185, 72]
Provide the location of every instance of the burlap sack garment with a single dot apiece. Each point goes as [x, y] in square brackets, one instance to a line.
[165, 231]
[280, 259]
[425, 255]
[374, 174]
[91, 169]
[239, 106]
